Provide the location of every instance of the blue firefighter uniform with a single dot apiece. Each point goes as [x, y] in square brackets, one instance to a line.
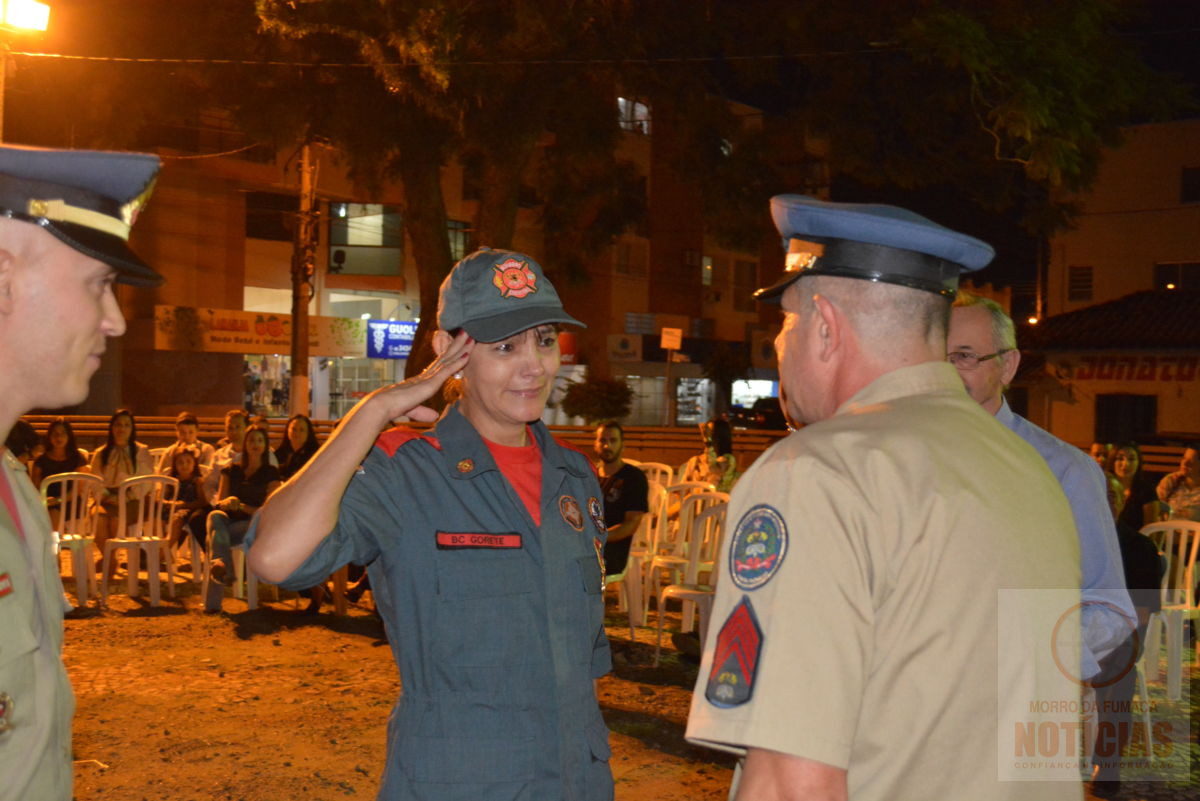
[496, 624]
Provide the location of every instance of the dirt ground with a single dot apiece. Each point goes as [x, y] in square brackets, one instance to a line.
[275, 705]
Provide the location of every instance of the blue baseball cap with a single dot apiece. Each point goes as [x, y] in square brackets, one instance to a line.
[873, 242]
[493, 294]
[88, 199]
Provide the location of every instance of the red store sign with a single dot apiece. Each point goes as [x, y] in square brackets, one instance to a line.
[1131, 368]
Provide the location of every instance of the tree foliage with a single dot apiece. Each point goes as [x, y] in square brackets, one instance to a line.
[597, 399]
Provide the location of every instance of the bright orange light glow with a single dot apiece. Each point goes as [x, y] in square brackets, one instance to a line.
[1170, 286]
[26, 15]
[1033, 321]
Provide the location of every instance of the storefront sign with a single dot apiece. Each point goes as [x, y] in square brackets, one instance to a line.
[624, 347]
[1129, 368]
[390, 339]
[234, 331]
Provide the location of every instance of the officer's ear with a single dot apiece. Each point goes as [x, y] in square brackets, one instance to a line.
[829, 326]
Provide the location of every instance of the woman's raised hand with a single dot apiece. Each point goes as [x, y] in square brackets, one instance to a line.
[406, 398]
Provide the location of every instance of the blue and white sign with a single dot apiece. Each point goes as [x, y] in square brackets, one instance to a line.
[390, 339]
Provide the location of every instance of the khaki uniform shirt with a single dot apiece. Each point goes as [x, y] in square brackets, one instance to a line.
[35, 728]
[858, 618]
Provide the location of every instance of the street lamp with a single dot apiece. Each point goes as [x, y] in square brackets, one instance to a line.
[17, 16]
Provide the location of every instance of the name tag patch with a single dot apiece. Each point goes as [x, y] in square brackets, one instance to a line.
[5, 585]
[450, 540]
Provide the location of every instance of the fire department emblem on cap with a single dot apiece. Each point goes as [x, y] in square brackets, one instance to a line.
[6, 708]
[568, 507]
[758, 547]
[466, 465]
[514, 279]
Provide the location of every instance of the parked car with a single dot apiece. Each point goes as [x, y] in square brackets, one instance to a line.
[763, 413]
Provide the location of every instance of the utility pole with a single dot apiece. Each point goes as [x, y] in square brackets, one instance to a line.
[303, 268]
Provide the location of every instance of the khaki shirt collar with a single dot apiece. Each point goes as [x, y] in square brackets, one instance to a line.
[927, 378]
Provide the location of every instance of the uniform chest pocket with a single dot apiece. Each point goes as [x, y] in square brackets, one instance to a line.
[486, 610]
[16, 638]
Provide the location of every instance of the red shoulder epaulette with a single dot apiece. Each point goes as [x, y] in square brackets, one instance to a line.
[391, 440]
[562, 443]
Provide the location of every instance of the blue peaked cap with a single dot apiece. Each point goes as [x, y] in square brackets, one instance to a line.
[873, 242]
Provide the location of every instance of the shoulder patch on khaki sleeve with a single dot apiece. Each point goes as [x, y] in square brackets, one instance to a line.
[758, 547]
[735, 658]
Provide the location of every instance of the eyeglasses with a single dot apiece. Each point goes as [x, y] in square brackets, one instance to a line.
[964, 360]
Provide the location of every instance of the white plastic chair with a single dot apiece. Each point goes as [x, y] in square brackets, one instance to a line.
[708, 532]
[672, 554]
[145, 531]
[658, 472]
[1177, 540]
[75, 528]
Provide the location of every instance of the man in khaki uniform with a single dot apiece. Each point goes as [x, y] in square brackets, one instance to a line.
[862, 643]
[64, 221]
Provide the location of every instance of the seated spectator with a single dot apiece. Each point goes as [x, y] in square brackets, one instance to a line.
[626, 496]
[244, 487]
[1125, 464]
[1100, 451]
[61, 455]
[187, 433]
[229, 449]
[1114, 684]
[298, 445]
[716, 464]
[119, 458]
[1180, 490]
[23, 442]
[191, 502]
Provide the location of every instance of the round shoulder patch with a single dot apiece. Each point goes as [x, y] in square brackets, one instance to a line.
[758, 547]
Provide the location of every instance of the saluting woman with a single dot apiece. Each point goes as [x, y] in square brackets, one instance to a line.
[483, 538]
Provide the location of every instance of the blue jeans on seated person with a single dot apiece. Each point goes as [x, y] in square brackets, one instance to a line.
[228, 532]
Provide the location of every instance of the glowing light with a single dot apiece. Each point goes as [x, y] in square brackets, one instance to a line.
[1170, 286]
[26, 14]
[366, 315]
[1033, 321]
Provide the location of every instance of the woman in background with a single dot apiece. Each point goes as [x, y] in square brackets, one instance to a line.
[244, 487]
[298, 445]
[1125, 463]
[716, 464]
[61, 454]
[120, 457]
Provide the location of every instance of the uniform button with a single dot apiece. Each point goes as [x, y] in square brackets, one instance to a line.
[466, 466]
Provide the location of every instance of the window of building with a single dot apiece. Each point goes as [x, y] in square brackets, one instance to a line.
[633, 115]
[706, 270]
[1079, 283]
[1189, 185]
[458, 232]
[272, 216]
[745, 278]
[1177, 275]
[365, 239]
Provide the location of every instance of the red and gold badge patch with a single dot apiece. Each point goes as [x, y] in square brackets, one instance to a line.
[514, 279]
[568, 507]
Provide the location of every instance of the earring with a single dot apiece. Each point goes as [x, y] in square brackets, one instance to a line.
[458, 375]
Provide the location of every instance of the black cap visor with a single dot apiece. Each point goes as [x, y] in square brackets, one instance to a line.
[112, 250]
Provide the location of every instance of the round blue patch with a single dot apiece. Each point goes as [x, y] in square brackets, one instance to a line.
[758, 547]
